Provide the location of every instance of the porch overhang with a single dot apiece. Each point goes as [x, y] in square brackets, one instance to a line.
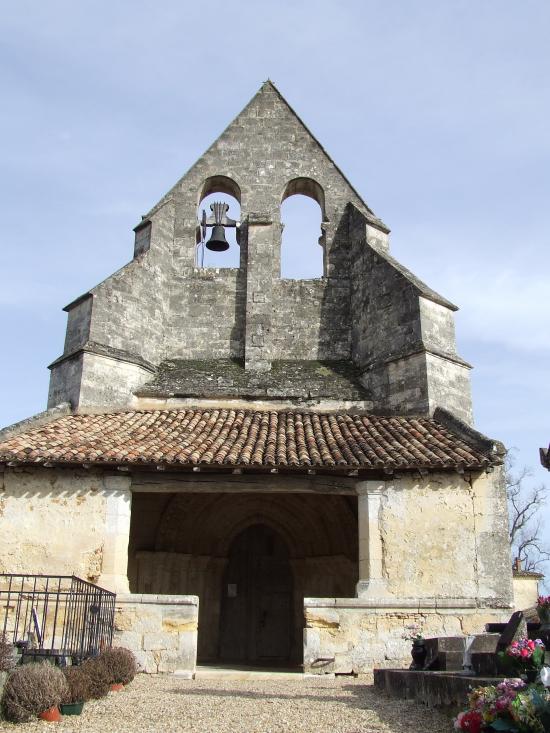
[234, 441]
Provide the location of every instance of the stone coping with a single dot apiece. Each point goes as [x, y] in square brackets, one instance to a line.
[165, 600]
[398, 603]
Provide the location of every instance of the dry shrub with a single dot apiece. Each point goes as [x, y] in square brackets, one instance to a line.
[78, 684]
[32, 688]
[97, 677]
[120, 664]
[7, 658]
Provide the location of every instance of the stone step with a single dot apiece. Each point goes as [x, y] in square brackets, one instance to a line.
[249, 673]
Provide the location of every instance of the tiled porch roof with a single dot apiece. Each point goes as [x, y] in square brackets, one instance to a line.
[247, 438]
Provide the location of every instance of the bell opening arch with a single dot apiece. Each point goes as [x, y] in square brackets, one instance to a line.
[303, 219]
[222, 189]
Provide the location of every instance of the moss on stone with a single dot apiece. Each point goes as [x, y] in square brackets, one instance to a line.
[228, 378]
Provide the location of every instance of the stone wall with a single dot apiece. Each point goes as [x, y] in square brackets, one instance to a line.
[526, 591]
[312, 319]
[207, 310]
[106, 380]
[78, 323]
[353, 635]
[65, 381]
[446, 535]
[445, 559]
[160, 630]
[52, 522]
[402, 334]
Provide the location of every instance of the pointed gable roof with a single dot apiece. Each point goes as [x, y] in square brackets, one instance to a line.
[266, 89]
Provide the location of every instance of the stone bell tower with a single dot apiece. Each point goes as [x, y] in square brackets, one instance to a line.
[162, 328]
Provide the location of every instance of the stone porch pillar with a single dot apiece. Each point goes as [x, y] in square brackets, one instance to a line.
[372, 583]
[114, 569]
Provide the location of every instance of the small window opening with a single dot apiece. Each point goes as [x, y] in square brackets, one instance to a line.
[231, 257]
[302, 238]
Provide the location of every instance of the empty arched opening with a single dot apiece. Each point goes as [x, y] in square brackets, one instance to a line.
[184, 543]
[227, 191]
[302, 242]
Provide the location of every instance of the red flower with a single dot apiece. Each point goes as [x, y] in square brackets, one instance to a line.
[471, 721]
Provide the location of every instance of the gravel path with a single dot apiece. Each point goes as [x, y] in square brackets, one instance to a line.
[163, 703]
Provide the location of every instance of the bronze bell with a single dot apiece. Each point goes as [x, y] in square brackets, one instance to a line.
[217, 242]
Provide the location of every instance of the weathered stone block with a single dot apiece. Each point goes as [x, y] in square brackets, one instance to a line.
[128, 639]
[325, 618]
[187, 650]
[159, 641]
[182, 618]
[168, 662]
[149, 662]
[485, 643]
[142, 660]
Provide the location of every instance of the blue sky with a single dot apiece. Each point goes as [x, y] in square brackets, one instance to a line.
[438, 112]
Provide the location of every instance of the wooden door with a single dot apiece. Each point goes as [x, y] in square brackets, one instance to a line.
[256, 613]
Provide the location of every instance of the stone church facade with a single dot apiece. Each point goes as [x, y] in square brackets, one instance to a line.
[266, 470]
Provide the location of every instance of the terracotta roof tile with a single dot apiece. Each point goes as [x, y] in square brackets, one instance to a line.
[236, 437]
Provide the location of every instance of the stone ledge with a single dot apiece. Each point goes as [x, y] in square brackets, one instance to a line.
[109, 352]
[163, 600]
[448, 604]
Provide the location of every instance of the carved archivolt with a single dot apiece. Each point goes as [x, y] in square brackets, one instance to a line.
[206, 524]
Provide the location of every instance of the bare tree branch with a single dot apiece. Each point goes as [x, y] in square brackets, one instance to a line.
[526, 527]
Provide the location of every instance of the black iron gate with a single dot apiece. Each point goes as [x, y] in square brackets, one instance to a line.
[56, 615]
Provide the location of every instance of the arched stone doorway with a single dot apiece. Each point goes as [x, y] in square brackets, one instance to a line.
[256, 610]
[182, 543]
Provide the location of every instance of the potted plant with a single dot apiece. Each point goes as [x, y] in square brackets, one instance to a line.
[97, 678]
[525, 656]
[543, 612]
[418, 650]
[77, 691]
[34, 690]
[121, 666]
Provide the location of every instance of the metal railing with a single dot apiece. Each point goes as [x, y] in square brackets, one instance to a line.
[56, 615]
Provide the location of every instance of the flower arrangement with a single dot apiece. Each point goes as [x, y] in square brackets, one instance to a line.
[524, 655]
[509, 706]
[413, 633]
